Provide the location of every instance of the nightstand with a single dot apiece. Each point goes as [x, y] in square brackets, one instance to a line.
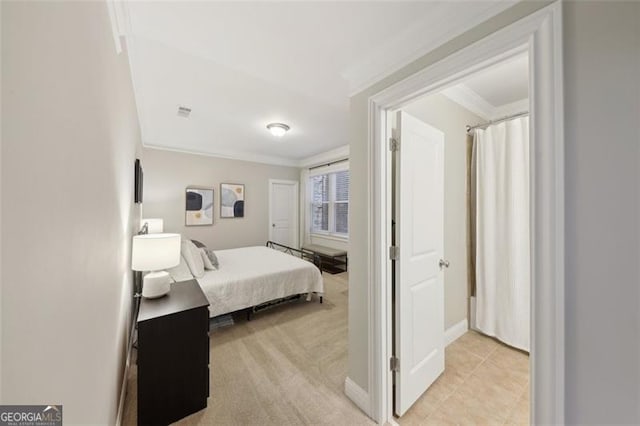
[173, 354]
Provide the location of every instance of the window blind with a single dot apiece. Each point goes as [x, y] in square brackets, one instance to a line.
[330, 203]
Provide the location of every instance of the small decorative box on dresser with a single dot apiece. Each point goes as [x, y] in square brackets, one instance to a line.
[173, 355]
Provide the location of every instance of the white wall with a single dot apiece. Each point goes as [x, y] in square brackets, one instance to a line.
[69, 139]
[359, 203]
[601, 48]
[602, 157]
[168, 173]
[452, 119]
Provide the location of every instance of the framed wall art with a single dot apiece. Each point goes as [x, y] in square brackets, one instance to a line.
[199, 206]
[232, 200]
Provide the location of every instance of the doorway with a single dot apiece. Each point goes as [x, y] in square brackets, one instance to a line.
[283, 212]
[462, 226]
[540, 35]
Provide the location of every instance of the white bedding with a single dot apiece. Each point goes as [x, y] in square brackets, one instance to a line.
[250, 276]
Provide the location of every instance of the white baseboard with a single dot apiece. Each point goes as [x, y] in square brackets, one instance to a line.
[452, 333]
[361, 398]
[358, 395]
[392, 422]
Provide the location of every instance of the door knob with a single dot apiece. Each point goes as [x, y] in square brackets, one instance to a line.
[273, 225]
[443, 263]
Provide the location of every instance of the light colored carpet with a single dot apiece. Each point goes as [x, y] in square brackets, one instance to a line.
[285, 366]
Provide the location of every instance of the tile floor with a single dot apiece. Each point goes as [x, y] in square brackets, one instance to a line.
[287, 367]
[484, 383]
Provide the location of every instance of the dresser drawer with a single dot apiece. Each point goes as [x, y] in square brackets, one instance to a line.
[173, 357]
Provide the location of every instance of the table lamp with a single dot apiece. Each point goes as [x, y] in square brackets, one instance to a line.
[154, 225]
[154, 252]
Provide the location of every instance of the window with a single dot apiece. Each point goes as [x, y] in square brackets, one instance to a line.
[330, 203]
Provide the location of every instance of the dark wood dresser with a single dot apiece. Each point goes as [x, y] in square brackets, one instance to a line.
[173, 355]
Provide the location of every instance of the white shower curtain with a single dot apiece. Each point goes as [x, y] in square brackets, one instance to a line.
[503, 258]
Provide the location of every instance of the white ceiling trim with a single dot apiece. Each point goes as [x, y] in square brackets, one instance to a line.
[510, 109]
[120, 21]
[114, 26]
[336, 154]
[392, 56]
[470, 100]
[137, 94]
[475, 103]
[231, 155]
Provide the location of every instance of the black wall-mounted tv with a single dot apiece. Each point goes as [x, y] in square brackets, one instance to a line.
[137, 192]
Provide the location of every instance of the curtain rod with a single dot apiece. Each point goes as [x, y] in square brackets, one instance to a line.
[329, 164]
[499, 120]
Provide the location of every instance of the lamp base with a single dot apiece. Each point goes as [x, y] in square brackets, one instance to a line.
[155, 284]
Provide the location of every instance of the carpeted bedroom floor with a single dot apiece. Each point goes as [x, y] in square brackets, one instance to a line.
[285, 366]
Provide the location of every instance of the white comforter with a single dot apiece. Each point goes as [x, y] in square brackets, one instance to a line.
[250, 276]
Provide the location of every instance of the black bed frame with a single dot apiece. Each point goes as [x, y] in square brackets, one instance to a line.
[302, 254]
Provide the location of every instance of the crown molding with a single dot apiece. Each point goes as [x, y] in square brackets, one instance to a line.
[470, 100]
[475, 103]
[509, 109]
[339, 153]
[231, 155]
[401, 50]
[120, 21]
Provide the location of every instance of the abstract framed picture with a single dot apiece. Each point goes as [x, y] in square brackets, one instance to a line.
[231, 200]
[199, 206]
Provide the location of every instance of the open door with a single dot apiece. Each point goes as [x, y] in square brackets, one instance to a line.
[419, 238]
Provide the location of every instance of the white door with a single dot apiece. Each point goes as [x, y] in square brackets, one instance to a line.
[283, 212]
[419, 292]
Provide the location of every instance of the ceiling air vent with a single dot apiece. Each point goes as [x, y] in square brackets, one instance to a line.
[184, 111]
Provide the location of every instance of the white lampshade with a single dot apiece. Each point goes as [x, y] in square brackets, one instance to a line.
[155, 225]
[154, 252]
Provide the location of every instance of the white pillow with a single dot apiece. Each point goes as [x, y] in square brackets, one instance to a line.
[205, 259]
[180, 272]
[193, 257]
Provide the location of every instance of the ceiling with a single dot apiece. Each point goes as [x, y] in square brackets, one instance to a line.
[497, 91]
[242, 65]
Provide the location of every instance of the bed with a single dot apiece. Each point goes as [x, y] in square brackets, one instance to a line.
[251, 276]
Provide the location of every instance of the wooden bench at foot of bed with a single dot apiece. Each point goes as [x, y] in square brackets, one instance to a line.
[333, 260]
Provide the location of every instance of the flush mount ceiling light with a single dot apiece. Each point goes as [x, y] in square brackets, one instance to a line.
[278, 129]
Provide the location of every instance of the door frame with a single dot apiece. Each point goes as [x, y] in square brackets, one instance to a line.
[296, 206]
[539, 34]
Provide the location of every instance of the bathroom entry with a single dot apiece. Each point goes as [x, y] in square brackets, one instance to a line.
[461, 270]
